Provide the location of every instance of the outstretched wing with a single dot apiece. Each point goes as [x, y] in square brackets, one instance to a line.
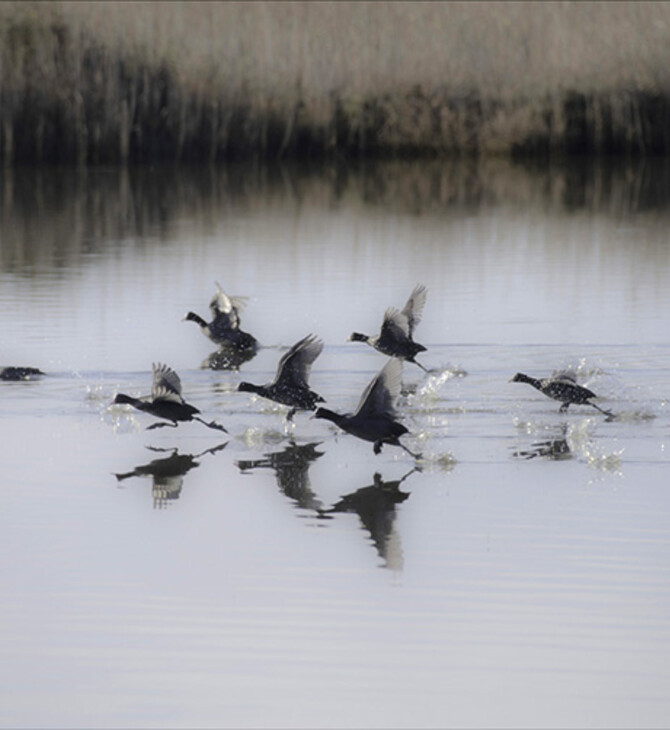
[166, 384]
[231, 307]
[295, 365]
[379, 397]
[394, 330]
[563, 375]
[414, 307]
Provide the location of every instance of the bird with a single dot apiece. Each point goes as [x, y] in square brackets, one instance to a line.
[290, 386]
[224, 329]
[395, 338]
[20, 372]
[562, 388]
[375, 418]
[166, 400]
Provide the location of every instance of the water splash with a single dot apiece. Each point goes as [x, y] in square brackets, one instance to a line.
[434, 382]
[444, 462]
[253, 437]
[121, 418]
[606, 462]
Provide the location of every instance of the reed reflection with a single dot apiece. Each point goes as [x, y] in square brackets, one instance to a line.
[54, 219]
[291, 467]
[168, 473]
[376, 507]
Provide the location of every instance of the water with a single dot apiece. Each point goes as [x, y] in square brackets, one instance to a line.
[274, 578]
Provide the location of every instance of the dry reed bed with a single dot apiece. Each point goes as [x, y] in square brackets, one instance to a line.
[145, 82]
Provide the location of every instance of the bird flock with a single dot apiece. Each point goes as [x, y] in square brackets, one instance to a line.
[375, 419]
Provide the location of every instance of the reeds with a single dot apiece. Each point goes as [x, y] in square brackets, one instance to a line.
[146, 82]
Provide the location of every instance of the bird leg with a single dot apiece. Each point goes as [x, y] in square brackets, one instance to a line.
[609, 414]
[211, 424]
[377, 448]
[409, 473]
[289, 423]
[564, 408]
[160, 425]
[411, 453]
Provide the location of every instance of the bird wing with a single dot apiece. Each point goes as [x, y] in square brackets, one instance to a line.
[569, 375]
[166, 384]
[379, 397]
[222, 304]
[414, 307]
[395, 328]
[295, 365]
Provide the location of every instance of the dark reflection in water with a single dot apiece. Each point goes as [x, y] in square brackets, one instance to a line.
[227, 358]
[56, 217]
[376, 507]
[291, 467]
[555, 449]
[167, 473]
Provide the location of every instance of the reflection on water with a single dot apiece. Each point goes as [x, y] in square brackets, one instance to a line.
[291, 467]
[376, 507]
[56, 219]
[554, 449]
[227, 358]
[568, 441]
[168, 473]
[374, 504]
[533, 559]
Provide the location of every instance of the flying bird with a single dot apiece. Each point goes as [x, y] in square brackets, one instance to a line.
[290, 387]
[166, 400]
[375, 418]
[224, 329]
[395, 338]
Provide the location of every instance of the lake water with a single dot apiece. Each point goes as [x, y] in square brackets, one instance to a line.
[520, 577]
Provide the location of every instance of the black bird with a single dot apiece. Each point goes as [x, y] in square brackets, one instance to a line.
[224, 329]
[375, 418]
[19, 373]
[290, 386]
[166, 400]
[563, 388]
[396, 335]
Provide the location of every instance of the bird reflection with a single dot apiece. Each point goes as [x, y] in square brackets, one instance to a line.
[167, 473]
[227, 358]
[376, 508]
[291, 468]
[556, 449]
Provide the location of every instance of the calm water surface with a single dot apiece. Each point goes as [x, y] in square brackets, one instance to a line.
[291, 578]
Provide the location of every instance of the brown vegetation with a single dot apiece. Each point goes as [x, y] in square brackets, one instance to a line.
[144, 82]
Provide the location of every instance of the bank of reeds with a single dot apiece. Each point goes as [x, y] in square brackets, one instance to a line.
[106, 82]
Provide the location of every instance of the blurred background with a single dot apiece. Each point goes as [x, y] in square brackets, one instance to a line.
[152, 81]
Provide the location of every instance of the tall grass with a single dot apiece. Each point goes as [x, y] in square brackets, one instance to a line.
[115, 81]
